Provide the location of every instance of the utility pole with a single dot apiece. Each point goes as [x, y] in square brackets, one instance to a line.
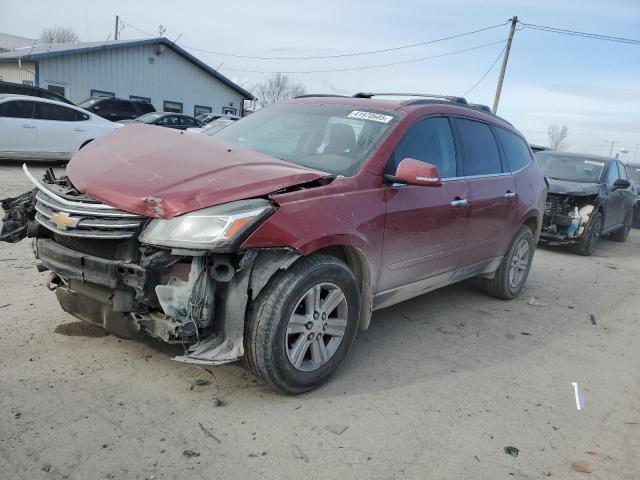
[611, 151]
[505, 59]
[115, 36]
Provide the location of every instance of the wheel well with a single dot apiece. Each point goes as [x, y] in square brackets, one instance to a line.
[532, 223]
[359, 265]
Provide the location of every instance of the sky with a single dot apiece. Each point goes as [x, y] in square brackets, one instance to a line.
[591, 86]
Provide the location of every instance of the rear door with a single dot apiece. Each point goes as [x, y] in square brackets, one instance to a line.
[615, 198]
[17, 128]
[60, 130]
[492, 192]
[424, 226]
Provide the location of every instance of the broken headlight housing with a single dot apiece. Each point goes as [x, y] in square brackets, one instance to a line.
[220, 228]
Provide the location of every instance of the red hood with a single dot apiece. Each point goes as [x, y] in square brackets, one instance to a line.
[160, 172]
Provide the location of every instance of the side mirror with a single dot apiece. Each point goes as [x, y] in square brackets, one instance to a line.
[414, 172]
[621, 184]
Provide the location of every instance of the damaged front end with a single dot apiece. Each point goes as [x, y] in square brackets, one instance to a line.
[182, 280]
[566, 218]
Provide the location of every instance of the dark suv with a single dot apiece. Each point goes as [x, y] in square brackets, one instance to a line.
[115, 109]
[275, 239]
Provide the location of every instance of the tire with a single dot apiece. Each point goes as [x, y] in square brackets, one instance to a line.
[280, 323]
[512, 274]
[636, 217]
[622, 234]
[591, 237]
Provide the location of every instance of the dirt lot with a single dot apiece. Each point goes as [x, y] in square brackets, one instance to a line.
[437, 388]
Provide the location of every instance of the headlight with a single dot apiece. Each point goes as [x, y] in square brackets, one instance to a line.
[221, 227]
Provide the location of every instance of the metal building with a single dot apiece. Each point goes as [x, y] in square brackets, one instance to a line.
[154, 70]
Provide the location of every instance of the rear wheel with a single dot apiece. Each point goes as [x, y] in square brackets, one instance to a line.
[302, 324]
[591, 236]
[512, 274]
[622, 234]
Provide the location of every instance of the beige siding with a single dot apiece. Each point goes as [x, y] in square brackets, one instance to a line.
[12, 72]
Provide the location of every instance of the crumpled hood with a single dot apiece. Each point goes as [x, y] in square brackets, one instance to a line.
[160, 172]
[577, 189]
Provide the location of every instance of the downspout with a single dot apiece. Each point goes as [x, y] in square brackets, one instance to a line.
[37, 74]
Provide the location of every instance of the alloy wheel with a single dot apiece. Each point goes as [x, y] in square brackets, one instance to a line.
[519, 263]
[316, 327]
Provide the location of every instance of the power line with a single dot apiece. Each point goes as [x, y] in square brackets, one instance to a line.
[352, 54]
[595, 36]
[368, 67]
[485, 73]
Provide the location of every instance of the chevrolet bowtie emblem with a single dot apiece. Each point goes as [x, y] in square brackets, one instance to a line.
[63, 221]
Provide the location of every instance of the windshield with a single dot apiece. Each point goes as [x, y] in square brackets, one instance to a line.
[634, 172]
[216, 126]
[331, 138]
[148, 117]
[570, 168]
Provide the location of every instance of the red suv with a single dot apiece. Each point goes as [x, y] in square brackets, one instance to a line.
[274, 240]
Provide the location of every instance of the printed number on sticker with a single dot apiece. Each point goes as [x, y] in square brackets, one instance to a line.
[376, 117]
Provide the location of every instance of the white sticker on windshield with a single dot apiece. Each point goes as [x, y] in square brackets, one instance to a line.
[376, 117]
[591, 162]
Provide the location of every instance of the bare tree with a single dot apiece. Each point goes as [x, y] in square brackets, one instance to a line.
[277, 88]
[557, 135]
[58, 34]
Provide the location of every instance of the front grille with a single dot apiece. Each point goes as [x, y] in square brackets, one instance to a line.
[85, 219]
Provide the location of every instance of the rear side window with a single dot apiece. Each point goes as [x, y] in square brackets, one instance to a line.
[49, 111]
[429, 140]
[515, 149]
[107, 107]
[145, 107]
[187, 121]
[480, 154]
[20, 109]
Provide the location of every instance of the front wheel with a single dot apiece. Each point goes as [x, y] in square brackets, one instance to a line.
[622, 234]
[512, 274]
[302, 324]
[591, 236]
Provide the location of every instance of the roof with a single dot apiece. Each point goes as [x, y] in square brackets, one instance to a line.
[47, 50]
[10, 42]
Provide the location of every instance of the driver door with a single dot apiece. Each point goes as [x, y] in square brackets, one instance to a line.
[425, 227]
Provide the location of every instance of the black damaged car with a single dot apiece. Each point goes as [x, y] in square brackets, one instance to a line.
[589, 196]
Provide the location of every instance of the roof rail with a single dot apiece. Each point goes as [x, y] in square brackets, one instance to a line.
[449, 98]
[310, 95]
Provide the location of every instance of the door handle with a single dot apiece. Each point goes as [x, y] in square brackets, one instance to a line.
[510, 194]
[28, 125]
[459, 202]
[78, 129]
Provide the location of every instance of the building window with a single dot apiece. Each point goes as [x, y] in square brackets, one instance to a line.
[101, 93]
[28, 82]
[173, 107]
[229, 111]
[198, 109]
[139, 99]
[59, 89]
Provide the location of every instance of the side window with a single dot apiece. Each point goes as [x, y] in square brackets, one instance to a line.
[106, 107]
[81, 116]
[169, 120]
[480, 154]
[127, 107]
[187, 122]
[622, 171]
[19, 109]
[515, 149]
[50, 111]
[612, 174]
[429, 140]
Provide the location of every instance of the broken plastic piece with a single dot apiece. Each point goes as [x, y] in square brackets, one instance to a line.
[513, 451]
[579, 394]
[337, 429]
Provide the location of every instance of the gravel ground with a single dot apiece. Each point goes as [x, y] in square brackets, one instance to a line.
[436, 388]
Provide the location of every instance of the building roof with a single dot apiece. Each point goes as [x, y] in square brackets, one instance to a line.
[11, 42]
[47, 50]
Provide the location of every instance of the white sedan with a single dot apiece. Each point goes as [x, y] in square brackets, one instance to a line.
[40, 129]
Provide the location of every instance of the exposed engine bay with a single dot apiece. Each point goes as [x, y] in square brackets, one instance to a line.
[103, 274]
[566, 218]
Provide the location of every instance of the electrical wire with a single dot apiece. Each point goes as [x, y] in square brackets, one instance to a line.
[368, 67]
[485, 73]
[595, 36]
[321, 57]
